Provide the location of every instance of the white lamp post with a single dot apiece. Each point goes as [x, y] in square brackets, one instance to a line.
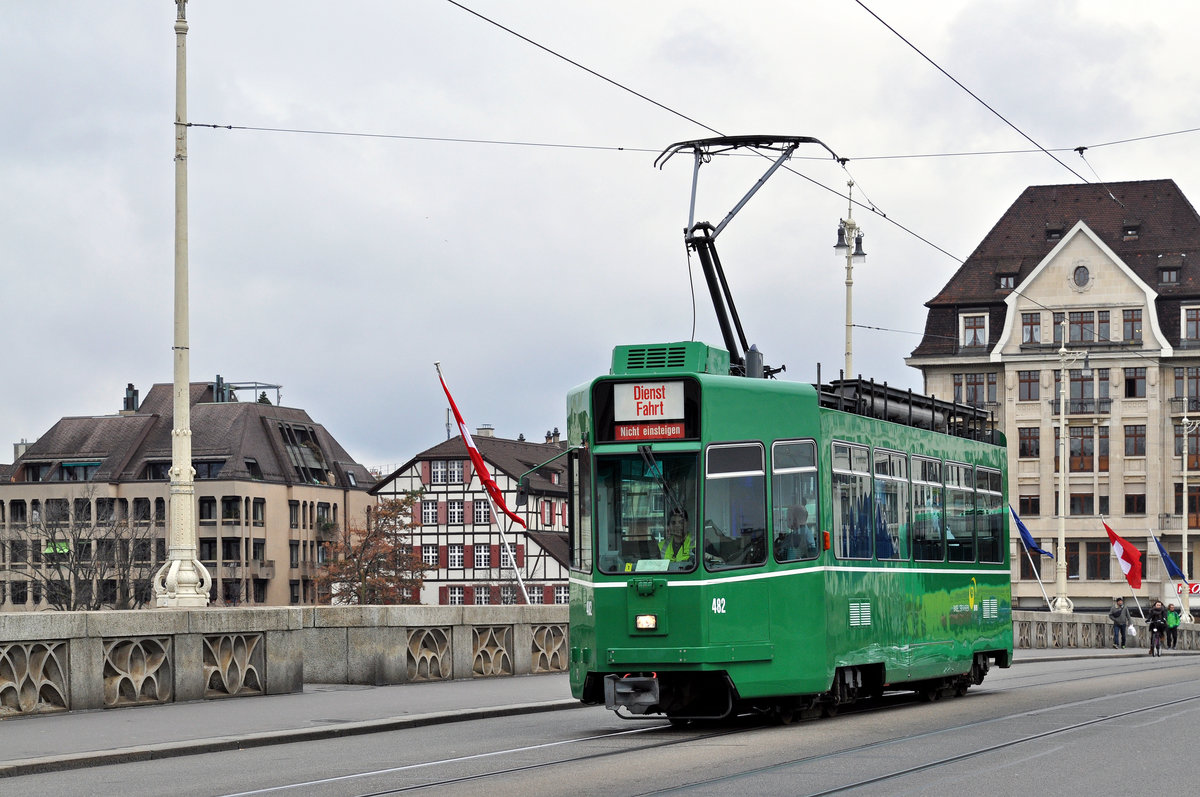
[1061, 603]
[848, 230]
[182, 581]
[1188, 428]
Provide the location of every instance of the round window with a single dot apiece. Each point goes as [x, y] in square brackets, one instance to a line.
[1081, 276]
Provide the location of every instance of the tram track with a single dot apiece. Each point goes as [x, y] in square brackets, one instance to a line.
[663, 736]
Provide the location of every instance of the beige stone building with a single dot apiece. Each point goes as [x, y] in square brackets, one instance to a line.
[271, 486]
[1112, 270]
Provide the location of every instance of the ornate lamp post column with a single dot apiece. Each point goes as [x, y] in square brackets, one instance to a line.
[1061, 603]
[1189, 427]
[182, 581]
[848, 230]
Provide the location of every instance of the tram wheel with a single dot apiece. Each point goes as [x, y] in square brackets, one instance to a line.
[931, 694]
[679, 722]
[829, 709]
[783, 715]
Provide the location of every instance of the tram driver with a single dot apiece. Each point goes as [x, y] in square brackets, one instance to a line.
[677, 546]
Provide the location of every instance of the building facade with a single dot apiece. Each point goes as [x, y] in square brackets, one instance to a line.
[1093, 290]
[271, 486]
[458, 536]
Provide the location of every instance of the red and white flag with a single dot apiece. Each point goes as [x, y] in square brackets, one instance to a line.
[485, 476]
[1128, 556]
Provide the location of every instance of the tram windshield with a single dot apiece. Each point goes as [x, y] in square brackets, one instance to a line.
[645, 513]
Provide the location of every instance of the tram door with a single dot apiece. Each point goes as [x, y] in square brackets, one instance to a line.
[735, 540]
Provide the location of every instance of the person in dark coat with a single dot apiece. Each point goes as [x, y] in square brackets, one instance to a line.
[1120, 617]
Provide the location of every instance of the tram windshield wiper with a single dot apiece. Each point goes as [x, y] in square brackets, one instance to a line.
[654, 468]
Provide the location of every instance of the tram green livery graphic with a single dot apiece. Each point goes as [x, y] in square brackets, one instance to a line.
[833, 547]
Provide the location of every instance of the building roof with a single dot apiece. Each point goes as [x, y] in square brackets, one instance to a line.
[511, 457]
[1167, 236]
[553, 543]
[284, 443]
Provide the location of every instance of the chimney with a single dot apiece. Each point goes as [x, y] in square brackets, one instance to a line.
[547, 437]
[485, 430]
[20, 448]
[556, 434]
[131, 399]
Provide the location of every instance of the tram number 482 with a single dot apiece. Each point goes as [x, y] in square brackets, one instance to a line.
[718, 606]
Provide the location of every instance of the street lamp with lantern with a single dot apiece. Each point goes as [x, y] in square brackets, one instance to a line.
[848, 230]
[1061, 603]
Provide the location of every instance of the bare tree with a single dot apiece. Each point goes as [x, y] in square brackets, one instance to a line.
[375, 564]
[87, 553]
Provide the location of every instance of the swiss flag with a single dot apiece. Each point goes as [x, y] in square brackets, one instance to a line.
[1127, 556]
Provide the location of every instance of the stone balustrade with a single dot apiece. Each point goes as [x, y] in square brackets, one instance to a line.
[1036, 630]
[62, 661]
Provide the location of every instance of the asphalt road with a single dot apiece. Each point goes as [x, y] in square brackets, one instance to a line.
[1064, 727]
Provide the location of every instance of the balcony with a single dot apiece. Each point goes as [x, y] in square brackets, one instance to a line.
[1083, 406]
[262, 569]
[1182, 406]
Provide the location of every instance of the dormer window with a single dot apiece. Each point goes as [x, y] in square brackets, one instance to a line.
[1130, 230]
[1054, 231]
[1168, 276]
[1007, 282]
[973, 331]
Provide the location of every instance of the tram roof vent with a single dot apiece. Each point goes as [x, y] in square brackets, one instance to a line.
[692, 357]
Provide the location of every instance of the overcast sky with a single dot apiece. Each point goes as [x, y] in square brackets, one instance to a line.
[342, 266]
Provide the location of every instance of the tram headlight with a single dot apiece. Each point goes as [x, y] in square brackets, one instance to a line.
[646, 622]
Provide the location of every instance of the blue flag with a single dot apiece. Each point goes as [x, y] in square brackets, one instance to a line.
[1172, 569]
[1026, 537]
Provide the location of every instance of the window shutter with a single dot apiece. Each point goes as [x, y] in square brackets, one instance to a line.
[443, 557]
[495, 556]
[468, 467]
[495, 590]
[468, 512]
[520, 554]
[548, 593]
[468, 595]
[443, 513]
[425, 472]
[443, 595]
[468, 556]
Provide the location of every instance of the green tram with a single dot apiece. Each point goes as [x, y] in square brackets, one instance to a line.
[744, 544]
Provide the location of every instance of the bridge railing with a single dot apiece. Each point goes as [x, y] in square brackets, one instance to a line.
[1042, 630]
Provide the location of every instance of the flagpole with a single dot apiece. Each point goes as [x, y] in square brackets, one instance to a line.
[1038, 576]
[511, 557]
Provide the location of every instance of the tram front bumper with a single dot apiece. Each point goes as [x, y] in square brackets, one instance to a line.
[637, 693]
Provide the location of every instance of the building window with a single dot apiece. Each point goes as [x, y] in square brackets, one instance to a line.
[483, 556]
[1191, 324]
[36, 471]
[1135, 504]
[483, 513]
[1168, 276]
[1058, 325]
[1028, 387]
[1131, 326]
[1099, 554]
[506, 557]
[454, 471]
[483, 596]
[1082, 504]
[508, 594]
[1082, 327]
[260, 511]
[208, 510]
[1031, 327]
[562, 593]
[1029, 442]
[1007, 282]
[429, 513]
[1135, 440]
[1029, 505]
[1187, 385]
[454, 512]
[437, 471]
[547, 513]
[974, 330]
[455, 553]
[294, 514]
[1135, 383]
[454, 596]
[1083, 450]
[208, 470]
[231, 510]
[537, 594]
[77, 471]
[429, 555]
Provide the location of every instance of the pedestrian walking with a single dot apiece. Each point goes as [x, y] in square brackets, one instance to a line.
[1120, 617]
[1172, 626]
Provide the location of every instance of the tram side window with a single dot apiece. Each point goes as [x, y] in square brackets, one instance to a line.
[581, 511]
[735, 507]
[891, 497]
[989, 526]
[928, 542]
[960, 513]
[794, 500]
[852, 502]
